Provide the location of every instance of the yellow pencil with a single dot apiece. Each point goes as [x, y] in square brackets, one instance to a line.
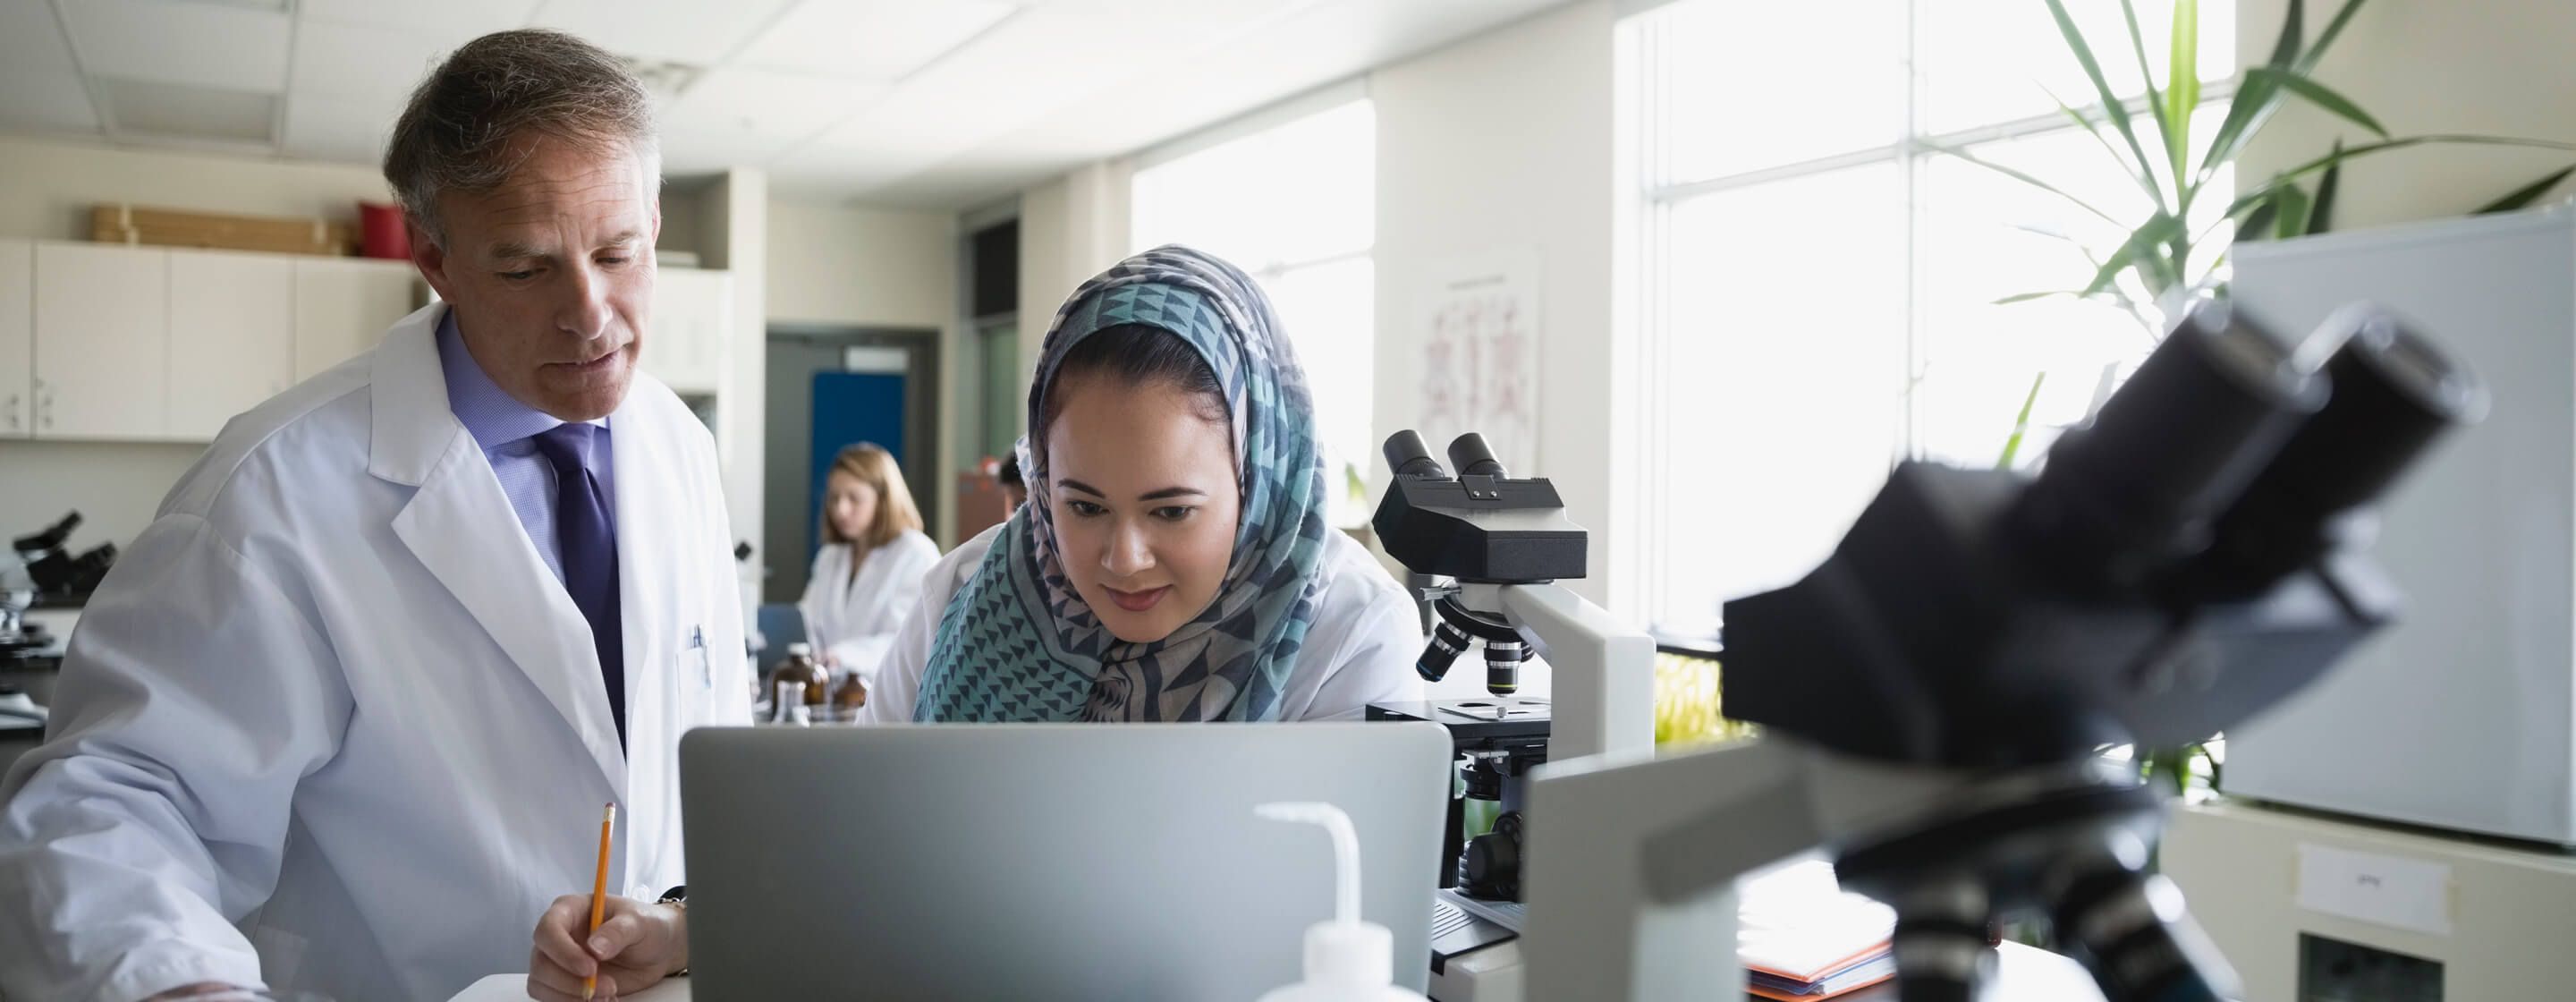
[598, 897]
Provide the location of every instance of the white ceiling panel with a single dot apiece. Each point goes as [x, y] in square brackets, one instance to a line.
[148, 110]
[875, 39]
[49, 102]
[338, 131]
[31, 40]
[920, 103]
[791, 105]
[700, 32]
[369, 64]
[192, 44]
[455, 19]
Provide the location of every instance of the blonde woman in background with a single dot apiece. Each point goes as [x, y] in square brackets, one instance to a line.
[867, 576]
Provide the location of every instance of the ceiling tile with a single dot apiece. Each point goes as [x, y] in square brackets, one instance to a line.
[371, 64]
[770, 104]
[689, 31]
[181, 43]
[320, 128]
[149, 110]
[31, 40]
[454, 20]
[688, 150]
[44, 101]
[876, 39]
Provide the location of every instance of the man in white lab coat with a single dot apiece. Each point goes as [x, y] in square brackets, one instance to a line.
[342, 719]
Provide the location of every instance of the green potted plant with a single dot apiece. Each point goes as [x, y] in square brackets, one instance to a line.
[2178, 251]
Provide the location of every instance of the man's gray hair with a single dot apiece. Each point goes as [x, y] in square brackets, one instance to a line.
[460, 132]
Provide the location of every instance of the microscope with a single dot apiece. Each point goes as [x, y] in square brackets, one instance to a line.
[1935, 696]
[1493, 547]
[38, 563]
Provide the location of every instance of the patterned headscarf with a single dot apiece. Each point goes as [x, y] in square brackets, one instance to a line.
[1019, 644]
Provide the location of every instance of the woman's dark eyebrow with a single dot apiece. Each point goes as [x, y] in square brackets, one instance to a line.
[1166, 493]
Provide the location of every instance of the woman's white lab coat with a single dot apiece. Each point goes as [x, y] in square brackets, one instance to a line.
[332, 725]
[854, 619]
[1360, 651]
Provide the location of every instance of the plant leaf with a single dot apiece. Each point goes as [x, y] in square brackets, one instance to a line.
[2294, 207]
[2094, 128]
[2252, 198]
[2143, 242]
[2525, 195]
[2257, 225]
[2182, 86]
[2320, 95]
[2285, 49]
[2147, 75]
[2021, 422]
[2111, 106]
[2025, 297]
[2308, 60]
[2254, 101]
[2321, 210]
[2021, 176]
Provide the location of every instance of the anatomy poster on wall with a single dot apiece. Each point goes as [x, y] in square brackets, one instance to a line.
[1480, 321]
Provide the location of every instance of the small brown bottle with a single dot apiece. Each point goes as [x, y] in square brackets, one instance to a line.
[849, 696]
[800, 667]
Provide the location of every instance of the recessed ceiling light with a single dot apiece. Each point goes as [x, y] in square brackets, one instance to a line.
[145, 111]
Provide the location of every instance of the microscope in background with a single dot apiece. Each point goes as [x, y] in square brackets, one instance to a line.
[1935, 695]
[1493, 547]
[39, 566]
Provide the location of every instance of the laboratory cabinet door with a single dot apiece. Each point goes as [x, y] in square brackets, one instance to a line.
[232, 337]
[17, 338]
[102, 338]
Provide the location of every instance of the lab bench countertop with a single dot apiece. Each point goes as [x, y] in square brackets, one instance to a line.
[2025, 975]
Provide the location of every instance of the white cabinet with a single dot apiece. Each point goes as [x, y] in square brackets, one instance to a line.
[102, 334]
[687, 345]
[17, 338]
[232, 337]
[343, 306]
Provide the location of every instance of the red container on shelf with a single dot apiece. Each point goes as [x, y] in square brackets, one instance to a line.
[381, 233]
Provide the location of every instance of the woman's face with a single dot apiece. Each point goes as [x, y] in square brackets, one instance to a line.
[850, 503]
[1145, 502]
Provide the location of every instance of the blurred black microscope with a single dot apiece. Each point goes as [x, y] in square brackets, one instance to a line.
[39, 568]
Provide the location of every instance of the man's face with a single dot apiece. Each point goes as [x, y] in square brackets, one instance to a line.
[551, 275]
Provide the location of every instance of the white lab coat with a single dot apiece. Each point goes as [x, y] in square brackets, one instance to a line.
[854, 619]
[1360, 650]
[331, 725]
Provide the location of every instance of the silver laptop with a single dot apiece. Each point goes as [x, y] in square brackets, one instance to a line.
[1044, 861]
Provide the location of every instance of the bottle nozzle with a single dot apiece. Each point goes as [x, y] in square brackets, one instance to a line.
[1346, 848]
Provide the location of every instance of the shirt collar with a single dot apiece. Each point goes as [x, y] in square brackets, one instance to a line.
[490, 413]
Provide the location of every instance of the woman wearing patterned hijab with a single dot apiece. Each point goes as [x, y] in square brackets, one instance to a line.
[1173, 562]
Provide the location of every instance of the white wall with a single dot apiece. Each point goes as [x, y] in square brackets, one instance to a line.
[115, 486]
[733, 234]
[1507, 140]
[861, 267]
[1071, 228]
[2426, 66]
[47, 188]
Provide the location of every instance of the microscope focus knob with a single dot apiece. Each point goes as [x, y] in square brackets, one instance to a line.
[1491, 866]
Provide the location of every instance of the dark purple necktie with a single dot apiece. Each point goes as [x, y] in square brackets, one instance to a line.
[586, 538]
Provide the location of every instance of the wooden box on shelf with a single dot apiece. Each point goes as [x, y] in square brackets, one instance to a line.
[124, 223]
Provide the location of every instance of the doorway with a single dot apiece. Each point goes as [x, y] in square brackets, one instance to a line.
[830, 387]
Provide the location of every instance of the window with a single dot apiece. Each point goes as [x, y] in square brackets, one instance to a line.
[1296, 206]
[1819, 282]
